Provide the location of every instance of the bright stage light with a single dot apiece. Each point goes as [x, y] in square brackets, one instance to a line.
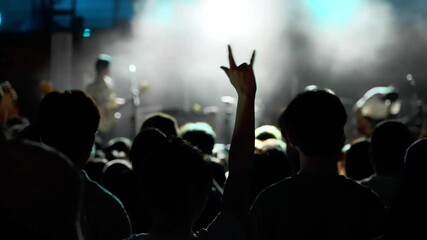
[132, 68]
[224, 20]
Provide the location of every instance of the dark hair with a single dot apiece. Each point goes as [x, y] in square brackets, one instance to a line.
[415, 160]
[314, 121]
[43, 190]
[265, 132]
[358, 160]
[102, 62]
[270, 165]
[409, 205]
[169, 176]
[118, 148]
[200, 135]
[389, 142]
[161, 121]
[68, 121]
[145, 146]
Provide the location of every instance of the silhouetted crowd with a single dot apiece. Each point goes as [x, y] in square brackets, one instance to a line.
[297, 179]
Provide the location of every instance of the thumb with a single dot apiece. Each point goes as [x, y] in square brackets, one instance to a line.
[225, 69]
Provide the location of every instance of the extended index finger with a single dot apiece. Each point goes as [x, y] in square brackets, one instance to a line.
[253, 58]
[231, 58]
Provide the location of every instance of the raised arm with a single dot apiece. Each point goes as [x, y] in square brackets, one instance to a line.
[237, 188]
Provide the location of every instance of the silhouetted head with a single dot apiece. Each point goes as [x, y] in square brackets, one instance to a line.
[115, 173]
[410, 204]
[40, 192]
[118, 148]
[416, 161]
[200, 135]
[118, 178]
[358, 160]
[265, 132]
[161, 121]
[147, 144]
[68, 122]
[389, 142]
[102, 65]
[314, 123]
[271, 165]
[94, 168]
[175, 181]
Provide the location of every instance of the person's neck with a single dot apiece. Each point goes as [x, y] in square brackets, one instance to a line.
[318, 165]
[79, 161]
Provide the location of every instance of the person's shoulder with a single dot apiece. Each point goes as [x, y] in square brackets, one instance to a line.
[286, 184]
[91, 85]
[91, 89]
[371, 178]
[158, 236]
[355, 185]
[360, 192]
[93, 191]
[140, 236]
[279, 190]
[103, 210]
[225, 226]
[94, 87]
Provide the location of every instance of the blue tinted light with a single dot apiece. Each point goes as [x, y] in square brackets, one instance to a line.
[336, 12]
[86, 33]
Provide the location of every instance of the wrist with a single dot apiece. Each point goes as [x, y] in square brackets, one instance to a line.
[247, 96]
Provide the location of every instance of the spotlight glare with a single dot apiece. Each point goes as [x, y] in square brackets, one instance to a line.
[223, 23]
[132, 68]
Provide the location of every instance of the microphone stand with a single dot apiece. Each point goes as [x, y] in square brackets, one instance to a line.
[419, 117]
[136, 101]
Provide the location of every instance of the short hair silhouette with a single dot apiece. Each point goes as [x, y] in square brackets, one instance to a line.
[103, 62]
[409, 207]
[265, 132]
[68, 122]
[199, 134]
[314, 121]
[118, 148]
[41, 192]
[415, 161]
[358, 160]
[166, 123]
[270, 165]
[146, 144]
[175, 181]
[389, 142]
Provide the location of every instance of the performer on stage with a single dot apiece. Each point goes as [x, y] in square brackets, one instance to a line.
[102, 93]
[376, 105]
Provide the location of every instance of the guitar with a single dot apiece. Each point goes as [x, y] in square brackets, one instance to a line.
[107, 111]
[110, 112]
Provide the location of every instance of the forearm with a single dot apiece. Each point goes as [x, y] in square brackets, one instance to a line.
[242, 142]
[237, 189]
